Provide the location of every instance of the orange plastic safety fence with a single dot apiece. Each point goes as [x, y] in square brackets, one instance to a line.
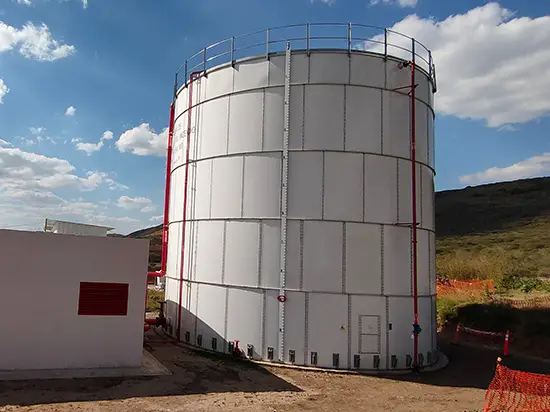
[518, 391]
[476, 286]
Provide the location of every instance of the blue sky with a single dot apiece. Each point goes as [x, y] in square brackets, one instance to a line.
[85, 89]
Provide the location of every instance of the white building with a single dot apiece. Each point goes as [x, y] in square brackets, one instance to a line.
[72, 228]
[75, 301]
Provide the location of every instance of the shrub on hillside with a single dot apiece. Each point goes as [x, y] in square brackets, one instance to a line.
[463, 265]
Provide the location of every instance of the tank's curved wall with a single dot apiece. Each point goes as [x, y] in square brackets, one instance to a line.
[349, 267]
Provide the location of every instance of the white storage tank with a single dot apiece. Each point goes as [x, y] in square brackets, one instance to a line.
[299, 218]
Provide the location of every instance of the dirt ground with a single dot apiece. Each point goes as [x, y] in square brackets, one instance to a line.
[207, 382]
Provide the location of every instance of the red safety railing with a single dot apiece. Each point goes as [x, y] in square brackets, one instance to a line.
[484, 334]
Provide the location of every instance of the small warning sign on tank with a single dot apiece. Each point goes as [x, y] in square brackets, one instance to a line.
[342, 328]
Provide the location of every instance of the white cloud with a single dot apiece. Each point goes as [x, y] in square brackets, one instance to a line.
[329, 2]
[3, 90]
[3, 143]
[40, 136]
[71, 110]
[149, 209]
[85, 4]
[28, 185]
[92, 147]
[26, 170]
[507, 128]
[143, 141]
[136, 203]
[113, 185]
[156, 218]
[535, 166]
[37, 131]
[27, 209]
[25, 2]
[33, 42]
[490, 66]
[400, 3]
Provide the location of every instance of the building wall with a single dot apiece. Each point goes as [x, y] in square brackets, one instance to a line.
[40, 278]
[348, 259]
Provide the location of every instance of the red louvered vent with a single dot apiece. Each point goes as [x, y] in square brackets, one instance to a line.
[103, 299]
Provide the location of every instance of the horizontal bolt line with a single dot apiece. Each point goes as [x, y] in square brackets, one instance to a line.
[277, 289]
[250, 154]
[259, 220]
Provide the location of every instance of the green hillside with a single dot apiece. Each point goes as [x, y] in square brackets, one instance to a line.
[495, 230]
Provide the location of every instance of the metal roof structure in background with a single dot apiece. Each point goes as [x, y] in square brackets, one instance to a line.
[51, 225]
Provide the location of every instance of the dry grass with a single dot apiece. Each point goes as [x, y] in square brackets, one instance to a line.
[154, 298]
[494, 263]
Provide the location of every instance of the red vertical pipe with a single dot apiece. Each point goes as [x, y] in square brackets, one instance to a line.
[192, 78]
[414, 217]
[164, 252]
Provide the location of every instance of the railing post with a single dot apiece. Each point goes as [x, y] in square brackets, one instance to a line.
[385, 43]
[267, 44]
[185, 78]
[176, 86]
[349, 39]
[430, 64]
[232, 51]
[204, 60]
[308, 38]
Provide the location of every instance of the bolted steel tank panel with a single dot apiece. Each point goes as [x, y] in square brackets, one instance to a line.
[298, 221]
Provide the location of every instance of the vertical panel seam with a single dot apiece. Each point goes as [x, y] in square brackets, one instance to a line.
[211, 185]
[228, 124]
[344, 120]
[364, 185]
[349, 68]
[242, 186]
[260, 250]
[262, 143]
[323, 188]
[301, 280]
[303, 137]
[264, 314]
[349, 331]
[196, 312]
[387, 332]
[196, 252]
[382, 263]
[178, 259]
[225, 320]
[420, 175]
[385, 73]
[224, 239]
[344, 257]
[306, 328]
[381, 122]
[398, 215]
[309, 68]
